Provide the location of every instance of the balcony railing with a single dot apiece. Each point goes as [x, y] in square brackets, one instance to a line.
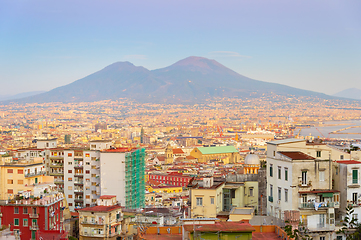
[79, 182]
[34, 174]
[33, 215]
[93, 222]
[86, 234]
[270, 198]
[321, 227]
[34, 227]
[311, 205]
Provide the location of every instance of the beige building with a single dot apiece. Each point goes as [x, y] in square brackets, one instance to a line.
[210, 199]
[103, 221]
[226, 154]
[299, 178]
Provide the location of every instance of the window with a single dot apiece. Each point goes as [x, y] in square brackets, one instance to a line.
[10, 181]
[20, 171]
[87, 155]
[10, 170]
[16, 210]
[318, 154]
[354, 176]
[10, 191]
[251, 192]
[70, 154]
[25, 222]
[70, 163]
[212, 200]
[87, 196]
[87, 163]
[279, 172]
[354, 216]
[87, 172]
[286, 195]
[70, 196]
[25, 210]
[199, 201]
[341, 157]
[304, 177]
[339, 238]
[70, 171]
[16, 221]
[70, 187]
[271, 170]
[322, 238]
[286, 174]
[354, 198]
[322, 176]
[70, 179]
[271, 190]
[279, 193]
[70, 204]
[20, 181]
[274, 153]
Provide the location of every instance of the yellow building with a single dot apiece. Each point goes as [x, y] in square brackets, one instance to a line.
[165, 189]
[209, 198]
[226, 154]
[103, 221]
[22, 176]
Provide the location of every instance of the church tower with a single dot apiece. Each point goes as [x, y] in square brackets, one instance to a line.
[168, 155]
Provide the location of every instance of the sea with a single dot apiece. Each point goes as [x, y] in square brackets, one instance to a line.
[350, 129]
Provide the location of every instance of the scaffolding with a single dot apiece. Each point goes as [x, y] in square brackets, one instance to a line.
[134, 179]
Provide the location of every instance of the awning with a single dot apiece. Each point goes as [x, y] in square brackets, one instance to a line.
[326, 194]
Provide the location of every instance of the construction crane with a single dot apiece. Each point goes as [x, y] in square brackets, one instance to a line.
[321, 133]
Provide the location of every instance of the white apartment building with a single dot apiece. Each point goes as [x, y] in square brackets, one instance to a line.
[299, 177]
[81, 178]
[347, 179]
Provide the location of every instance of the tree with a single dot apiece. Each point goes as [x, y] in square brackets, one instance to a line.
[297, 234]
[350, 227]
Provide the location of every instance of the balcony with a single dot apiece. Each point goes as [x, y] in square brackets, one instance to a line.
[33, 215]
[78, 174]
[78, 200]
[93, 222]
[78, 183]
[78, 166]
[86, 234]
[310, 205]
[58, 181]
[320, 227]
[34, 174]
[34, 227]
[56, 173]
[56, 165]
[78, 192]
[270, 198]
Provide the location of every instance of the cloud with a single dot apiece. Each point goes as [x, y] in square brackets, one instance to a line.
[227, 54]
[135, 57]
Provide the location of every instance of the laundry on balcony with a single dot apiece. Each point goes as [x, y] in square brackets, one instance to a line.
[319, 204]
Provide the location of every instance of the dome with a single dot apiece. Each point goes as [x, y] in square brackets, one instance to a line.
[252, 159]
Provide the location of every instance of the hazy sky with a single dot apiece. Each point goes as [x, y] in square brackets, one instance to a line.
[309, 44]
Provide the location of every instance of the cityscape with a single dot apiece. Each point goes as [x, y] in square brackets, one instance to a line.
[180, 120]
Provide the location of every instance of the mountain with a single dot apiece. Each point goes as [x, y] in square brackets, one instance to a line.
[189, 80]
[19, 95]
[353, 93]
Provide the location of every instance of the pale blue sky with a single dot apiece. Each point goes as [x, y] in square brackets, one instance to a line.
[314, 45]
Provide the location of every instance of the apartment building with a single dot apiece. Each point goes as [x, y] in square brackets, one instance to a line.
[103, 221]
[209, 198]
[299, 181]
[29, 217]
[347, 180]
[82, 178]
[122, 173]
[18, 176]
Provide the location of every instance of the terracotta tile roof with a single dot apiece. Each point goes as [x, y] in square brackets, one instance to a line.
[297, 155]
[320, 191]
[100, 208]
[178, 151]
[163, 237]
[349, 162]
[266, 235]
[107, 196]
[221, 227]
